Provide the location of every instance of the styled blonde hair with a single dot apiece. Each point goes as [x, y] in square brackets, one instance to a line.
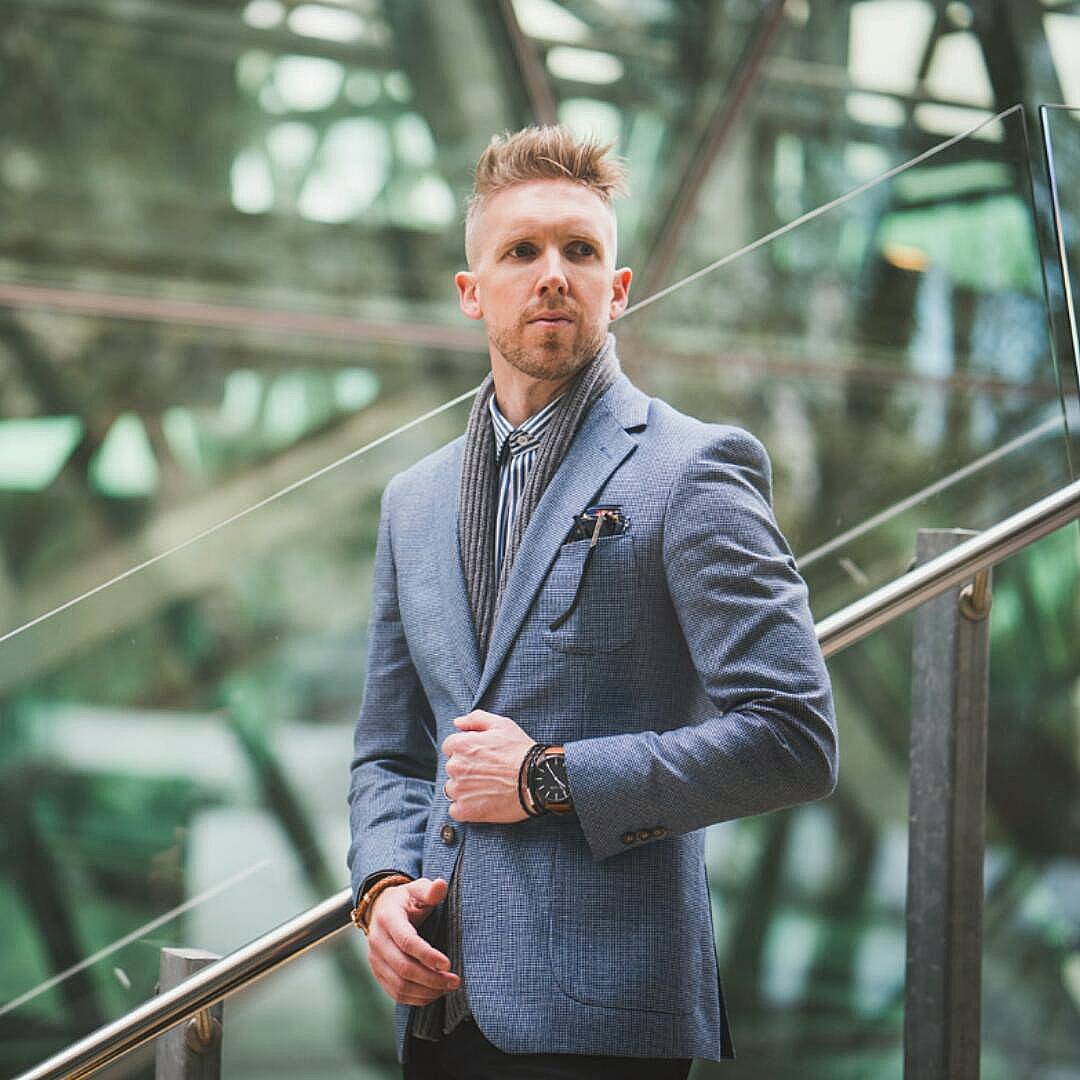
[551, 152]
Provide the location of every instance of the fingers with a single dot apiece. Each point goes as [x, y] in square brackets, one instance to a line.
[397, 962]
[477, 720]
[419, 960]
[409, 983]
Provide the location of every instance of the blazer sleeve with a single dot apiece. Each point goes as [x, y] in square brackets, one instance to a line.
[769, 738]
[394, 752]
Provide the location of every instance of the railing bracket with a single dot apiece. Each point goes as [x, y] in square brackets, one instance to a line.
[975, 598]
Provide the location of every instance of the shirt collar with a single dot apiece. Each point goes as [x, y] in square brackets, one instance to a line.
[530, 431]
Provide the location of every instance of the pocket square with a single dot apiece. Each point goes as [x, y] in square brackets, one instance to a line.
[608, 519]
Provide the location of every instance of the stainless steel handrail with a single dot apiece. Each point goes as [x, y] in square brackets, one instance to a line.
[216, 981]
[907, 592]
[266, 953]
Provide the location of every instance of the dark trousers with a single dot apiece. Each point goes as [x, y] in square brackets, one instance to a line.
[465, 1054]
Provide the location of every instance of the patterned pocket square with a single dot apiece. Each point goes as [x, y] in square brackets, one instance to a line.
[598, 521]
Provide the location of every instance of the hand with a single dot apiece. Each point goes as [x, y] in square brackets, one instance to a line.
[409, 969]
[483, 758]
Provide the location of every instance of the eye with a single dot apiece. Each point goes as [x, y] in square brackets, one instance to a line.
[582, 249]
[522, 251]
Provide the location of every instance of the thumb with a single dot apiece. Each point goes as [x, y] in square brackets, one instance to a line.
[475, 721]
[428, 893]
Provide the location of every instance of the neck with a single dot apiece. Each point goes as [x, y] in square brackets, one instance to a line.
[520, 396]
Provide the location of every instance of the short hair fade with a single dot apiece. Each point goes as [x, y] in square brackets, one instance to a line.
[548, 152]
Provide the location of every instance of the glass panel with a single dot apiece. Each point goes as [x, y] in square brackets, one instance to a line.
[1061, 140]
[891, 350]
[311, 1021]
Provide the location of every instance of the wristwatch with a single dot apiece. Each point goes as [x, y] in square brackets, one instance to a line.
[548, 783]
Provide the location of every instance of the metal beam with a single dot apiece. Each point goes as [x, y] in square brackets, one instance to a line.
[238, 317]
[675, 219]
[201, 30]
[530, 68]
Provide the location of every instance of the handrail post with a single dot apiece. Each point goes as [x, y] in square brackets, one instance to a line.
[191, 1050]
[946, 817]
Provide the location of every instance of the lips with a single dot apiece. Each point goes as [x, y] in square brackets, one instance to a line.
[551, 318]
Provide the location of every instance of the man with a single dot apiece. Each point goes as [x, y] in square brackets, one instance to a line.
[588, 641]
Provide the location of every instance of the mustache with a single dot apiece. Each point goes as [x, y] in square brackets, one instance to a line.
[558, 308]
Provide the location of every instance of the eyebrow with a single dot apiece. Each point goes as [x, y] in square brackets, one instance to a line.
[579, 228]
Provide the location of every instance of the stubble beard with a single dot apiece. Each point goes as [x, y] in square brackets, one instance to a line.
[551, 359]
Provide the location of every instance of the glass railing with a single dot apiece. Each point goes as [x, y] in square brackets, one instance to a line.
[233, 975]
[220, 793]
[177, 741]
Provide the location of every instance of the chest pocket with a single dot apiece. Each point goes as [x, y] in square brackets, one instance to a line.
[606, 614]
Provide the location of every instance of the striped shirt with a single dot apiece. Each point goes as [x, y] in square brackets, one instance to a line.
[515, 451]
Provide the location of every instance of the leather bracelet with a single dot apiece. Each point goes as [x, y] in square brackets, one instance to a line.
[525, 796]
[362, 911]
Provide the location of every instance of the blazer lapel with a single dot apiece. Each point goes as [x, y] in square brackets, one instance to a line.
[459, 620]
[598, 449]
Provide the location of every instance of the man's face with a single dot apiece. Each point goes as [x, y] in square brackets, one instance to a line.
[543, 276]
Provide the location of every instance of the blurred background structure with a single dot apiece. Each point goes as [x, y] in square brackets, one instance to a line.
[227, 235]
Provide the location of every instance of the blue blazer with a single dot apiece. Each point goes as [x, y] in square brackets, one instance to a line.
[687, 687]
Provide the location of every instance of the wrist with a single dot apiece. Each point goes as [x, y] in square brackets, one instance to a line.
[525, 795]
[361, 914]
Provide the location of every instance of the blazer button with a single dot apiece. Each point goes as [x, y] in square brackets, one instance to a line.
[448, 834]
[627, 838]
[659, 831]
[644, 834]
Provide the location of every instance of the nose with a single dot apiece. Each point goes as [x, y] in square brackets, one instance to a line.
[552, 279]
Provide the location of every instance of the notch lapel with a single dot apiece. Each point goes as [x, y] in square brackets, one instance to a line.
[459, 620]
[599, 447]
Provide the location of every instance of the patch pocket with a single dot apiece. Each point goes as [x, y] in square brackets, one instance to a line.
[605, 616]
[620, 936]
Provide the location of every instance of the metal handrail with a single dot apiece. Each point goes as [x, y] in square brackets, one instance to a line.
[209, 986]
[907, 592]
[268, 952]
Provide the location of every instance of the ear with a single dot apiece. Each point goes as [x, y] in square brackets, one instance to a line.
[468, 294]
[620, 291]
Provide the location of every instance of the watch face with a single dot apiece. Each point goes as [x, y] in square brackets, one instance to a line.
[550, 783]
